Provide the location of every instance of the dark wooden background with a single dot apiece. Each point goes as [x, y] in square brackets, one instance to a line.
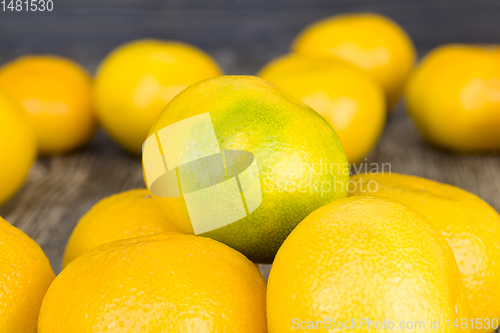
[242, 35]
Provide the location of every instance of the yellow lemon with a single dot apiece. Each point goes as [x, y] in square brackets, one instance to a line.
[125, 215]
[365, 257]
[17, 147]
[162, 283]
[352, 103]
[136, 81]
[454, 98]
[56, 94]
[371, 42]
[298, 163]
[470, 226]
[25, 276]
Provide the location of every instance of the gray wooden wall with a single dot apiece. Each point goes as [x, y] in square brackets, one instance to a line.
[249, 32]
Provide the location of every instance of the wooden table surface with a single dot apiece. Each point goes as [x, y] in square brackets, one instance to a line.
[242, 36]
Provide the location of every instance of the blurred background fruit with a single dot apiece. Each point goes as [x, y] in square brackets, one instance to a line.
[162, 283]
[25, 276]
[470, 226]
[365, 257]
[454, 98]
[56, 94]
[125, 215]
[137, 80]
[17, 147]
[302, 165]
[371, 42]
[351, 102]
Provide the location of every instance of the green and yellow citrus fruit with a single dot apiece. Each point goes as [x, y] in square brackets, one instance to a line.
[135, 82]
[469, 224]
[17, 147]
[125, 215]
[25, 276]
[365, 257]
[301, 162]
[351, 102]
[162, 283]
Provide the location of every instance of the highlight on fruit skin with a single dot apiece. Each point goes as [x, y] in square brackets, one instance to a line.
[56, 95]
[453, 98]
[364, 257]
[17, 145]
[289, 141]
[468, 223]
[349, 100]
[137, 80]
[163, 283]
[372, 42]
[25, 276]
[124, 215]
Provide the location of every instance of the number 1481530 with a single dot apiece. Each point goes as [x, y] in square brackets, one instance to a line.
[27, 5]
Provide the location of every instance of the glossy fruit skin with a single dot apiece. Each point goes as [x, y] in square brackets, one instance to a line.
[364, 257]
[351, 102]
[454, 98]
[56, 94]
[138, 79]
[124, 215]
[162, 283]
[371, 42]
[469, 224]
[25, 276]
[290, 142]
[17, 147]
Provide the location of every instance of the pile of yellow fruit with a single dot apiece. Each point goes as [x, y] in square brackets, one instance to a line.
[406, 253]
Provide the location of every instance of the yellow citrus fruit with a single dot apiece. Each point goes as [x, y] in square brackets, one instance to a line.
[17, 147]
[56, 93]
[372, 42]
[136, 81]
[300, 160]
[125, 215]
[352, 103]
[364, 257]
[25, 276]
[163, 283]
[469, 224]
[454, 98]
